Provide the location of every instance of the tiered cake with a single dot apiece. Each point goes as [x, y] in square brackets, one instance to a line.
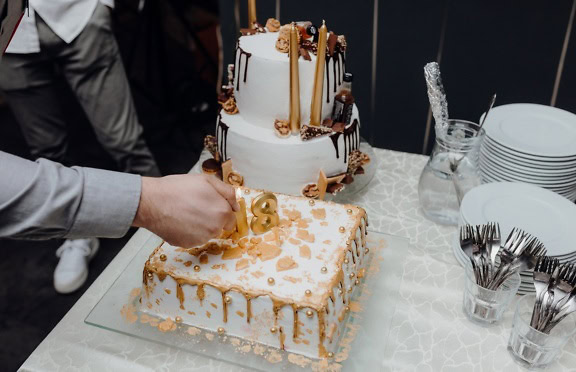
[253, 145]
[289, 287]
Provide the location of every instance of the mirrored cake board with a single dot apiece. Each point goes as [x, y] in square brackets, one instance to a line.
[361, 346]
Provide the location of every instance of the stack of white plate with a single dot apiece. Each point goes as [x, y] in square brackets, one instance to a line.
[541, 213]
[531, 143]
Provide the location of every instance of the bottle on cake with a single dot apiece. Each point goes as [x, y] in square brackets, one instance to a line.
[344, 102]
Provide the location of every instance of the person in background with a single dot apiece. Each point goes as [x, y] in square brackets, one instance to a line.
[72, 39]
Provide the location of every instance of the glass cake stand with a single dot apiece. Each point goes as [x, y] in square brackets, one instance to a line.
[363, 342]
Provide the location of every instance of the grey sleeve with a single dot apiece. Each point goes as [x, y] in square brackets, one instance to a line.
[44, 200]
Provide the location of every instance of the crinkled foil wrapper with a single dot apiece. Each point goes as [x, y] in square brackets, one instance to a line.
[436, 94]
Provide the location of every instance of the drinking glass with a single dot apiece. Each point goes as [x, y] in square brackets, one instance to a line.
[451, 171]
[532, 348]
[484, 306]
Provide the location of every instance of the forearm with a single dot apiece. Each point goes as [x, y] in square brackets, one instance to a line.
[43, 200]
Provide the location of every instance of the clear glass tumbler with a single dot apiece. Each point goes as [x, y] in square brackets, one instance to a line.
[451, 171]
[532, 348]
[484, 306]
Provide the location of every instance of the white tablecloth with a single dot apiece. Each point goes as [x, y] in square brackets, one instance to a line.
[429, 331]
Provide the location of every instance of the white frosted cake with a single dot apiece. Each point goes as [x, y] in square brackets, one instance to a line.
[252, 147]
[288, 288]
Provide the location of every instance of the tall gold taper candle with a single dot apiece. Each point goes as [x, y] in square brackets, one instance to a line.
[251, 13]
[294, 81]
[241, 217]
[316, 106]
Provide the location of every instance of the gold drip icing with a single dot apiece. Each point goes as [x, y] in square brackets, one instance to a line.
[225, 306]
[200, 292]
[180, 293]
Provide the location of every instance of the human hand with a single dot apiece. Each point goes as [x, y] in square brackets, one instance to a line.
[186, 210]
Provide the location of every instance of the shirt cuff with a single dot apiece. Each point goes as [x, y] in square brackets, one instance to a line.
[109, 203]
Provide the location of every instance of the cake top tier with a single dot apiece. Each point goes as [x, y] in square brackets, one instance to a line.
[298, 262]
[262, 76]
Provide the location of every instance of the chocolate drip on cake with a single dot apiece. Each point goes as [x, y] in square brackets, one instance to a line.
[351, 140]
[238, 71]
[222, 138]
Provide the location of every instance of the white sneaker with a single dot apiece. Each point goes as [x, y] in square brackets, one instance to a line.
[72, 269]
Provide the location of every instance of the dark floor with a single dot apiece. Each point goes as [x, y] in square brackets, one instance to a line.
[29, 305]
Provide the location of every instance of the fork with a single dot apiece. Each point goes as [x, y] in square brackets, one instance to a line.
[542, 274]
[563, 300]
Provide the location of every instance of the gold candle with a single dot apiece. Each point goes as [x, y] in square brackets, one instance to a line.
[294, 81]
[316, 106]
[251, 13]
[241, 217]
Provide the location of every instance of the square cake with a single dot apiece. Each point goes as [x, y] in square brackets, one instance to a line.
[289, 287]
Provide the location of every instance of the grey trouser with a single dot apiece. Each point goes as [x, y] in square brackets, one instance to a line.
[92, 66]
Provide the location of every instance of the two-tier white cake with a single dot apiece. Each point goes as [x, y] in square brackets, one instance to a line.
[247, 144]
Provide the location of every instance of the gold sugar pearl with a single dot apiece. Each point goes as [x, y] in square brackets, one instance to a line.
[246, 191]
[357, 282]
[178, 319]
[309, 313]
[271, 281]
[221, 330]
[330, 354]
[346, 261]
[342, 229]
[308, 292]
[351, 275]
[349, 211]
[324, 270]
[163, 257]
[150, 275]
[273, 329]
[311, 202]
[340, 292]
[196, 268]
[347, 308]
[366, 250]
[227, 299]
[349, 289]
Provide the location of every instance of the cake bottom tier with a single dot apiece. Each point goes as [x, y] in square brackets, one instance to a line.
[314, 333]
[284, 165]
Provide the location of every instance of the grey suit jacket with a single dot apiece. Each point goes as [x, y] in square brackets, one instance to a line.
[44, 200]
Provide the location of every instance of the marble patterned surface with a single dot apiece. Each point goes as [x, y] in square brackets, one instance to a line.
[429, 331]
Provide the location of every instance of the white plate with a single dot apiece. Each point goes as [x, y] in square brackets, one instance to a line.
[540, 212]
[532, 129]
[498, 177]
[487, 153]
[488, 167]
[531, 159]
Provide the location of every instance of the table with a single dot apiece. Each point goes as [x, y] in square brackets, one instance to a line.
[429, 331]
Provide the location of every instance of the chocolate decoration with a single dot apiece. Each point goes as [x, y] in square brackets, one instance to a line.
[332, 41]
[360, 170]
[222, 138]
[328, 123]
[248, 31]
[351, 140]
[304, 53]
[239, 63]
[211, 166]
[348, 179]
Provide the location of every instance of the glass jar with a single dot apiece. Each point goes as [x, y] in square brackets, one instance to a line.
[451, 171]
